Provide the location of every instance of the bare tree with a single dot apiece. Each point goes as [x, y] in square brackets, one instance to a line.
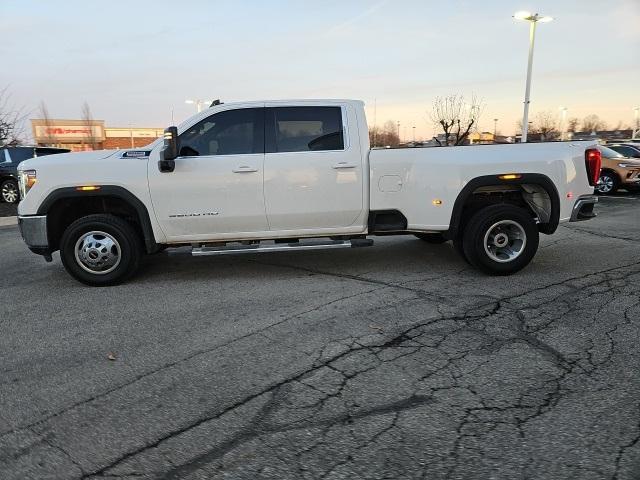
[592, 123]
[622, 126]
[572, 125]
[11, 120]
[546, 125]
[48, 125]
[386, 136]
[87, 119]
[456, 117]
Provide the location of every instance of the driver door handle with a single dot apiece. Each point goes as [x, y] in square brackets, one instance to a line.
[244, 169]
[344, 165]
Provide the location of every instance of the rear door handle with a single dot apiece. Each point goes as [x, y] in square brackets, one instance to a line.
[244, 169]
[344, 165]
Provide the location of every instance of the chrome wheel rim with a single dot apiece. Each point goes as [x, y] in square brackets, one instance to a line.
[505, 241]
[605, 184]
[9, 193]
[98, 252]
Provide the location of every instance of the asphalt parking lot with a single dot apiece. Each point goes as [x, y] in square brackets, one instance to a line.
[396, 361]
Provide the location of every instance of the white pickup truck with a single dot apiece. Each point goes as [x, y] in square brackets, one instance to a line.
[297, 175]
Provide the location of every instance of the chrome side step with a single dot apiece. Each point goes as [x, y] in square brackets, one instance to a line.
[264, 247]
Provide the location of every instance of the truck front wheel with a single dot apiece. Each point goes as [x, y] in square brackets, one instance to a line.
[500, 239]
[100, 250]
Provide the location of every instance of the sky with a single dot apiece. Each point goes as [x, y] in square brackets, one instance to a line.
[135, 62]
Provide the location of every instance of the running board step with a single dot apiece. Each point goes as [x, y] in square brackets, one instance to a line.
[281, 247]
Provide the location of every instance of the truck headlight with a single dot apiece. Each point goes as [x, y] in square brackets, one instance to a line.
[26, 180]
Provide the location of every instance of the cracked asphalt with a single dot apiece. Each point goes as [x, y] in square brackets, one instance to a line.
[391, 362]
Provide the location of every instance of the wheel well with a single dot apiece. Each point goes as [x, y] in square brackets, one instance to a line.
[534, 192]
[611, 171]
[64, 211]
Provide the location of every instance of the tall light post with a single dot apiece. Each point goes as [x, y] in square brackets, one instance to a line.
[636, 126]
[198, 103]
[495, 128]
[563, 123]
[533, 19]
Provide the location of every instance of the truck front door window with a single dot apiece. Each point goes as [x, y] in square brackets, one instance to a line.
[234, 132]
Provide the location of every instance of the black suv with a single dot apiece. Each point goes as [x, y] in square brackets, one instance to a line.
[10, 157]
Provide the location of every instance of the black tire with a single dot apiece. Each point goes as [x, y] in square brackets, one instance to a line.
[435, 238]
[513, 226]
[608, 183]
[9, 191]
[127, 244]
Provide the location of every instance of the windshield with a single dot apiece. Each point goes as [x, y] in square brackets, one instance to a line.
[607, 152]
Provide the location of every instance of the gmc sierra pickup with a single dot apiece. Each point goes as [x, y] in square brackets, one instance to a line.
[297, 175]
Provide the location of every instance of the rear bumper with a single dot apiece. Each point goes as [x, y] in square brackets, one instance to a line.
[33, 229]
[583, 208]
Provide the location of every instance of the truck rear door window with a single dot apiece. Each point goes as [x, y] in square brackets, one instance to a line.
[304, 129]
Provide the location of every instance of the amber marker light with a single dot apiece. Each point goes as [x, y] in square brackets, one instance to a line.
[31, 181]
[437, 202]
[510, 176]
[88, 188]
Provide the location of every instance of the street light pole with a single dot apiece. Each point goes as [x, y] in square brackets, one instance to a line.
[563, 121]
[399, 132]
[533, 20]
[495, 129]
[636, 128]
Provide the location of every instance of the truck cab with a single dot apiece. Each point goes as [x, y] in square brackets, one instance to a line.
[265, 169]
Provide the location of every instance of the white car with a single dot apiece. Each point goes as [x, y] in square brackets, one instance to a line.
[286, 175]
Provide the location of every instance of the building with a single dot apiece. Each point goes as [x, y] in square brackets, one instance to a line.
[486, 138]
[90, 135]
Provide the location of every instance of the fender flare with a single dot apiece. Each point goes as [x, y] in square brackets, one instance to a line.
[488, 180]
[107, 191]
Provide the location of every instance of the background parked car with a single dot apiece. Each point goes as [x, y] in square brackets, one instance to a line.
[617, 171]
[10, 157]
[630, 150]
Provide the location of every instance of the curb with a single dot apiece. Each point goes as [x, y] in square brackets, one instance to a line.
[6, 221]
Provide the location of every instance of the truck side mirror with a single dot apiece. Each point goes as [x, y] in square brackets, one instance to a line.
[169, 153]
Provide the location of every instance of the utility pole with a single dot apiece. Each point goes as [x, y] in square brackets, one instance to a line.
[636, 128]
[414, 134]
[398, 131]
[495, 129]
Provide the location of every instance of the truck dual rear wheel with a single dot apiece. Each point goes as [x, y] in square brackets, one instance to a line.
[500, 239]
[100, 250]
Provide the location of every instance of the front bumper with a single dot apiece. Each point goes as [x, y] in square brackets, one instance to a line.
[583, 208]
[33, 229]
